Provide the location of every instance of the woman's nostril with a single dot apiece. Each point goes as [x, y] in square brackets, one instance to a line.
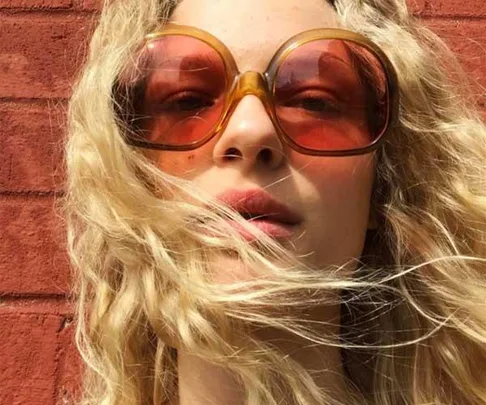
[265, 155]
[232, 153]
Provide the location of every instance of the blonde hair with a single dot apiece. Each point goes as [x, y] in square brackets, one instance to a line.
[142, 255]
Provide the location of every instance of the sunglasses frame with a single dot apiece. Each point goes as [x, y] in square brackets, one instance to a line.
[256, 83]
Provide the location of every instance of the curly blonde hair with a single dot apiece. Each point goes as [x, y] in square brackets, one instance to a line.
[413, 327]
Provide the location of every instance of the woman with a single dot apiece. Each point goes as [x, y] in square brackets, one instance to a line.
[276, 202]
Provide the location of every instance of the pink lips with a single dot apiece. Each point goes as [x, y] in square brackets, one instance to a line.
[263, 211]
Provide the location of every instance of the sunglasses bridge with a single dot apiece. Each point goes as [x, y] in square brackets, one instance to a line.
[251, 82]
[248, 83]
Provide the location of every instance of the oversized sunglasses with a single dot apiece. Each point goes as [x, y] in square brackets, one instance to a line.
[328, 92]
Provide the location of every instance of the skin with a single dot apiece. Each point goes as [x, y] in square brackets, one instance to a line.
[331, 193]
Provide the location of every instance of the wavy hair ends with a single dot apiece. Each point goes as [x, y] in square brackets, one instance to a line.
[141, 255]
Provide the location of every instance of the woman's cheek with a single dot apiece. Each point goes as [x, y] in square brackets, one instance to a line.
[336, 193]
[185, 165]
[336, 175]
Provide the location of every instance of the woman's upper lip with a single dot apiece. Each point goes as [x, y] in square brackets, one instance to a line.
[257, 202]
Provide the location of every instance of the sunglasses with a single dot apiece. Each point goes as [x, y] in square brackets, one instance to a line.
[328, 92]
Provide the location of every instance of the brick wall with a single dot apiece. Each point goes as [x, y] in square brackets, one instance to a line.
[40, 49]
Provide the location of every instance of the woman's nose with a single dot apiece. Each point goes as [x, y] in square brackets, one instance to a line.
[250, 138]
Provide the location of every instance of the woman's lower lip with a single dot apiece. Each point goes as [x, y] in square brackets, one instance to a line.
[277, 230]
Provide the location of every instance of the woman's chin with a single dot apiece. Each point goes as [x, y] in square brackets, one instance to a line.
[230, 269]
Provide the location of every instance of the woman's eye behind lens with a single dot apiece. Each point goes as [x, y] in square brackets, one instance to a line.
[185, 102]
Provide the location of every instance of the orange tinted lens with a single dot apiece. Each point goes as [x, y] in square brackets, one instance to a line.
[332, 95]
[183, 91]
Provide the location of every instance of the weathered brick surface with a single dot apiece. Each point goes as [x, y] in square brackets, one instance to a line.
[89, 5]
[40, 55]
[470, 8]
[468, 40]
[32, 253]
[42, 44]
[31, 141]
[27, 358]
[417, 6]
[69, 368]
[36, 4]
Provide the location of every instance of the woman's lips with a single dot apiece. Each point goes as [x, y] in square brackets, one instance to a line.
[277, 230]
[262, 211]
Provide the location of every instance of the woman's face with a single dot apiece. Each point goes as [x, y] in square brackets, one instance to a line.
[330, 195]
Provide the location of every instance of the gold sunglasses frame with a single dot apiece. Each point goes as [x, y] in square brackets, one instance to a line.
[258, 84]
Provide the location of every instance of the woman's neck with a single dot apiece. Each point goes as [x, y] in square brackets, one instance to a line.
[203, 383]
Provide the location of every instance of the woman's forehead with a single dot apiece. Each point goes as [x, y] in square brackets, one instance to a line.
[254, 29]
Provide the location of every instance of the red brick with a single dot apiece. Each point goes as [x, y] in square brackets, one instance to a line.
[35, 305]
[32, 253]
[70, 367]
[468, 40]
[31, 141]
[89, 5]
[416, 6]
[36, 4]
[27, 352]
[470, 8]
[39, 56]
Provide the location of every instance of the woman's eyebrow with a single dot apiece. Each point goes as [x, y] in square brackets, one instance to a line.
[198, 61]
[326, 60]
[329, 60]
